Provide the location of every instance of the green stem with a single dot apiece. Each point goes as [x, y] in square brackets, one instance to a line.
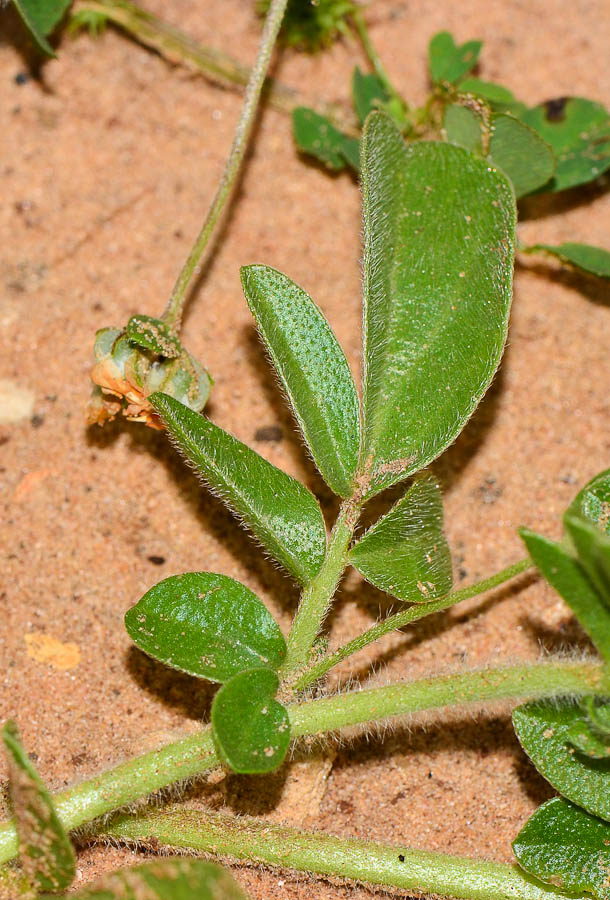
[362, 31]
[195, 754]
[316, 597]
[220, 68]
[399, 867]
[192, 266]
[407, 617]
[531, 681]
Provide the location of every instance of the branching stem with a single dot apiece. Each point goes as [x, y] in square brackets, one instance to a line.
[192, 266]
[364, 861]
[195, 754]
[407, 617]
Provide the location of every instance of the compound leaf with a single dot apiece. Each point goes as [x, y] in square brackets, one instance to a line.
[566, 847]
[45, 851]
[521, 154]
[40, 18]
[578, 131]
[594, 260]
[166, 879]
[313, 370]
[447, 61]
[280, 511]
[251, 729]
[566, 575]
[207, 625]
[153, 334]
[317, 136]
[368, 93]
[406, 553]
[439, 241]
[543, 730]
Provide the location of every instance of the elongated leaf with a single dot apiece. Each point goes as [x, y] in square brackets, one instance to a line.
[594, 260]
[447, 61]
[439, 242]
[368, 93]
[543, 730]
[313, 370]
[567, 576]
[40, 18]
[167, 879]
[317, 136]
[565, 846]
[153, 334]
[406, 553]
[593, 551]
[463, 127]
[578, 132]
[207, 625]
[45, 851]
[490, 91]
[251, 729]
[521, 153]
[279, 510]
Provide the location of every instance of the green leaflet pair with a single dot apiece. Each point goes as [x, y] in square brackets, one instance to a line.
[567, 841]
[439, 232]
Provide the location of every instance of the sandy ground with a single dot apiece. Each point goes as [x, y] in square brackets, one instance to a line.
[107, 165]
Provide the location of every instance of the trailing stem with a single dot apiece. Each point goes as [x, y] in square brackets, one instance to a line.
[192, 266]
[316, 597]
[195, 754]
[369, 861]
[407, 617]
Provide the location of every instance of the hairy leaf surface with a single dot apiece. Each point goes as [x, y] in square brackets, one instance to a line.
[543, 730]
[566, 847]
[406, 553]
[280, 511]
[569, 579]
[594, 260]
[153, 334]
[578, 132]
[166, 879]
[313, 370]
[439, 243]
[447, 61]
[207, 625]
[251, 729]
[45, 851]
[316, 135]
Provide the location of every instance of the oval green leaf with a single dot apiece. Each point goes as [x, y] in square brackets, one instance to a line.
[439, 244]
[166, 879]
[45, 851]
[566, 575]
[447, 61]
[317, 136]
[593, 502]
[543, 730]
[251, 729]
[313, 370]
[406, 553]
[493, 93]
[278, 509]
[207, 625]
[593, 260]
[566, 847]
[368, 93]
[155, 335]
[578, 132]
[463, 127]
[521, 154]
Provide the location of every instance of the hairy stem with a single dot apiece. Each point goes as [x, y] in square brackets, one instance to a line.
[316, 597]
[406, 617]
[192, 266]
[195, 754]
[357, 860]
[219, 67]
